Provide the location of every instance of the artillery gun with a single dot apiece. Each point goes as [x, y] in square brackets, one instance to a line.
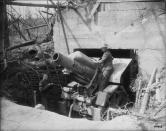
[76, 94]
[81, 95]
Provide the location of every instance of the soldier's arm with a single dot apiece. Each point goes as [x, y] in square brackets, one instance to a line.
[104, 57]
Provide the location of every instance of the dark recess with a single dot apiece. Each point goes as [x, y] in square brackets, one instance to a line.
[129, 75]
[117, 53]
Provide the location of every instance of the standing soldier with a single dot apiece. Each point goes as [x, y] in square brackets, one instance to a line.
[106, 66]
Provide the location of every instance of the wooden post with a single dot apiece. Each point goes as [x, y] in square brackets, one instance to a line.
[63, 28]
[147, 92]
[4, 25]
[2, 28]
[4, 34]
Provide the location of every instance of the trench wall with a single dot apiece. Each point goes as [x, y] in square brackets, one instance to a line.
[133, 25]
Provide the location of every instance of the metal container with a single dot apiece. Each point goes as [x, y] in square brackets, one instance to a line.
[96, 114]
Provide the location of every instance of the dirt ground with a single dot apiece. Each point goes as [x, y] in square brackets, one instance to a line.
[18, 118]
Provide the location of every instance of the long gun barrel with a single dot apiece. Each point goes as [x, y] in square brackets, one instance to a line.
[78, 64]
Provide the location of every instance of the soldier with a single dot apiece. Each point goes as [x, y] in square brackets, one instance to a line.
[106, 66]
[44, 86]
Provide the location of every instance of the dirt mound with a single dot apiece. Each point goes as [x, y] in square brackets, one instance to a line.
[16, 117]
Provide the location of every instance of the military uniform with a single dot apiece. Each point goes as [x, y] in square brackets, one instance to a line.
[106, 69]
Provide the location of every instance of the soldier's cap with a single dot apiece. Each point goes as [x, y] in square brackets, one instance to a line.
[105, 46]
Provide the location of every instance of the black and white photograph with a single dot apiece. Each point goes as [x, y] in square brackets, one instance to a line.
[83, 65]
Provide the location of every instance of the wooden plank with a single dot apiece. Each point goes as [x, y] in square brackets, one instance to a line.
[123, 1]
[138, 92]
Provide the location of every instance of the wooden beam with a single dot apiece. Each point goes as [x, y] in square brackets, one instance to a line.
[47, 13]
[31, 4]
[27, 43]
[123, 1]
[37, 5]
[69, 6]
[36, 27]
